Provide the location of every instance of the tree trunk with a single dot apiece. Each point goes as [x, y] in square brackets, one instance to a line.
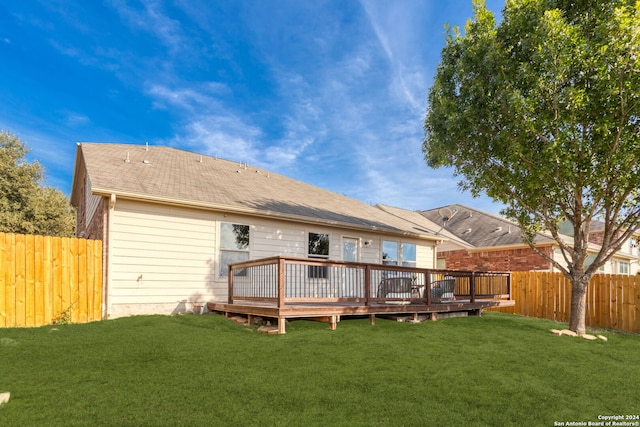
[577, 321]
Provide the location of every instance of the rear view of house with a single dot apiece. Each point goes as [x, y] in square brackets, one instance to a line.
[171, 221]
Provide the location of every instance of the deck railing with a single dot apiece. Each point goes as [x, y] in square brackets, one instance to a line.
[284, 280]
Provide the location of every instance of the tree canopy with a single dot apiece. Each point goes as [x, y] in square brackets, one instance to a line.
[27, 206]
[542, 113]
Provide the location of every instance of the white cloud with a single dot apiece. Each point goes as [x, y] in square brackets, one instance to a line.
[221, 137]
[397, 26]
[73, 119]
[153, 21]
[192, 98]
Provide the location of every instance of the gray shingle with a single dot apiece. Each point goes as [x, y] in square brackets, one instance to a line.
[170, 174]
[481, 229]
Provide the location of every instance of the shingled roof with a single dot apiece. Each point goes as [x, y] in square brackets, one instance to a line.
[170, 175]
[481, 229]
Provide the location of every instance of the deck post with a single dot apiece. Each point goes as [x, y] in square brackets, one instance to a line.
[282, 328]
[333, 322]
[230, 282]
[372, 319]
[367, 285]
[427, 286]
[281, 270]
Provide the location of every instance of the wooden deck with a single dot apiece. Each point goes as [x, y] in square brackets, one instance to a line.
[284, 288]
[333, 312]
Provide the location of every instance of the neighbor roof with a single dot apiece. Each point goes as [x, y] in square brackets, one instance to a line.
[170, 175]
[481, 229]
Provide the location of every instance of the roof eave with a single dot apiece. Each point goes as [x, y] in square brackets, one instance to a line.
[256, 212]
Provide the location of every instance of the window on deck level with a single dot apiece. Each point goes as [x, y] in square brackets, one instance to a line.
[398, 254]
[389, 252]
[234, 245]
[318, 248]
[409, 255]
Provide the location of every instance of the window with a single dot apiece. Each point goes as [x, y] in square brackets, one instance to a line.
[406, 256]
[234, 245]
[318, 248]
[623, 267]
[389, 252]
[350, 249]
[409, 255]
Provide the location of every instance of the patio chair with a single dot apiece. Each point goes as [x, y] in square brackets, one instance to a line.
[443, 289]
[395, 285]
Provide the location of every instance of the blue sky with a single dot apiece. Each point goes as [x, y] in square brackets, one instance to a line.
[332, 93]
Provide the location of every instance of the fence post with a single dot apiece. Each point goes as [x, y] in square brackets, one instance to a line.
[472, 287]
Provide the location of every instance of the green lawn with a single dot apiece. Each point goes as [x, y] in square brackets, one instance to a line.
[205, 370]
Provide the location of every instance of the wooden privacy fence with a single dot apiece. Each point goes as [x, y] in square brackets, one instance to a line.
[613, 301]
[46, 280]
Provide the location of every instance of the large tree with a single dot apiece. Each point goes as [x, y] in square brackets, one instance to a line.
[542, 113]
[27, 206]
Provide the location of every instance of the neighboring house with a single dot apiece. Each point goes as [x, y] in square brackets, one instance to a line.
[171, 221]
[627, 259]
[488, 242]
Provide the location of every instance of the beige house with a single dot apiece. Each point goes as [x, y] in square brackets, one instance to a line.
[171, 221]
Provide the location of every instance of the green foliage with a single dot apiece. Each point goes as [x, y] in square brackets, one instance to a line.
[26, 206]
[64, 317]
[498, 370]
[542, 113]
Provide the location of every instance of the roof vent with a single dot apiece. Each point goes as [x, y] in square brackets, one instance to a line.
[497, 229]
[146, 146]
[146, 162]
[127, 160]
[467, 231]
[200, 159]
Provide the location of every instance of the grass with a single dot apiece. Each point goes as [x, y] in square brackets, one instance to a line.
[204, 370]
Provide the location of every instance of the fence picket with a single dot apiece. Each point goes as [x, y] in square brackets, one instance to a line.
[20, 285]
[38, 257]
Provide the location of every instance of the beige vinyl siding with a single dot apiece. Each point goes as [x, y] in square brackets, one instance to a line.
[162, 258]
[371, 253]
[424, 255]
[271, 238]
